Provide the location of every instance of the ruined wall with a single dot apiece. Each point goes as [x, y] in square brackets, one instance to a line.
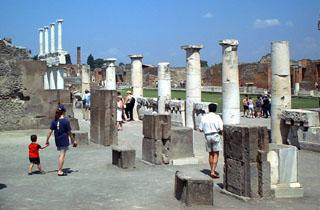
[24, 104]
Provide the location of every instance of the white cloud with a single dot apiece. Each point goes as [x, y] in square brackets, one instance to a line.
[266, 23]
[289, 23]
[207, 15]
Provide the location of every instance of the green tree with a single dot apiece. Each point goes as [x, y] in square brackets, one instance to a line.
[68, 59]
[203, 63]
[90, 62]
[98, 63]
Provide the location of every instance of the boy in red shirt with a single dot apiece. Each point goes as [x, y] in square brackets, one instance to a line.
[34, 156]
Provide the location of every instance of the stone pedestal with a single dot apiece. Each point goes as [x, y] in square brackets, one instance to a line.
[230, 82]
[164, 86]
[181, 144]
[81, 137]
[193, 86]
[85, 78]
[46, 85]
[284, 171]
[103, 128]
[110, 82]
[246, 169]
[193, 188]
[281, 88]
[123, 157]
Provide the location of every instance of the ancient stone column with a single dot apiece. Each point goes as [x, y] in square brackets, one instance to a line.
[41, 41]
[46, 85]
[230, 82]
[46, 40]
[60, 80]
[281, 88]
[59, 21]
[193, 86]
[85, 78]
[137, 75]
[79, 55]
[52, 83]
[164, 86]
[296, 79]
[52, 38]
[110, 82]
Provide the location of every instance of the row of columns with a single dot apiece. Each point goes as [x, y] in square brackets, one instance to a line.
[281, 93]
[44, 43]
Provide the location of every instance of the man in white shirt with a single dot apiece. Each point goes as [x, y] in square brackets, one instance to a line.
[211, 125]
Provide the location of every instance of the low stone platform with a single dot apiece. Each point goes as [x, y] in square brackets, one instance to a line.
[123, 157]
[193, 188]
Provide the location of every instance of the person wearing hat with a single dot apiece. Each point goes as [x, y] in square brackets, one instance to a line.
[62, 131]
[129, 101]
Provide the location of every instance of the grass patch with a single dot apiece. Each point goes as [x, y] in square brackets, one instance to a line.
[297, 102]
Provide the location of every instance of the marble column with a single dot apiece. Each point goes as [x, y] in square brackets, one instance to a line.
[193, 85]
[164, 86]
[230, 82]
[59, 21]
[46, 85]
[52, 38]
[41, 41]
[52, 82]
[46, 40]
[110, 82]
[85, 78]
[281, 88]
[137, 75]
[296, 79]
[60, 79]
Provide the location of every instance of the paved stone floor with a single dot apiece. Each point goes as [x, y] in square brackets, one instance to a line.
[94, 183]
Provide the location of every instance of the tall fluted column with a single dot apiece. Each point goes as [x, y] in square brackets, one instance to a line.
[46, 40]
[281, 88]
[52, 38]
[59, 21]
[164, 86]
[110, 82]
[41, 41]
[230, 82]
[137, 75]
[193, 86]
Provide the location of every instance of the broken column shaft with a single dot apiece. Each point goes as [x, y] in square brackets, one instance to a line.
[110, 82]
[136, 75]
[164, 86]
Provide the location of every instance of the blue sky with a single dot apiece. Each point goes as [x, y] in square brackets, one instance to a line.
[158, 28]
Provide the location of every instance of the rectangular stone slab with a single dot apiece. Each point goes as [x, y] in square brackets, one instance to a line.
[181, 143]
[193, 188]
[123, 157]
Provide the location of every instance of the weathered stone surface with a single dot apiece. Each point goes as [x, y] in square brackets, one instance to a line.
[157, 126]
[240, 142]
[123, 157]
[152, 150]
[181, 143]
[234, 176]
[74, 124]
[264, 180]
[310, 139]
[300, 117]
[81, 137]
[193, 188]
[103, 117]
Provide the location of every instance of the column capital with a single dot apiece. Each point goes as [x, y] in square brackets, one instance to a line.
[52, 24]
[46, 27]
[40, 29]
[136, 56]
[192, 47]
[229, 42]
[111, 60]
[59, 20]
[163, 64]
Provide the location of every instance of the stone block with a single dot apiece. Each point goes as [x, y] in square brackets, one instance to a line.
[74, 124]
[181, 143]
[263, 139]
[152, 150]
[241, 142]
[234, 176]
[264, 180]
[193, 188]
[81, 137]
[301, 117]
[157, 126]
[285, 191]
[251, 184]
[287, 164]
[310, 139]
[123, 157]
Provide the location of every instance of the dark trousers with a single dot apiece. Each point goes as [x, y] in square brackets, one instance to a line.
[129, 111]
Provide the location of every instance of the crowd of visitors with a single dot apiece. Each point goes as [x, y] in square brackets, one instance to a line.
[256, 108]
